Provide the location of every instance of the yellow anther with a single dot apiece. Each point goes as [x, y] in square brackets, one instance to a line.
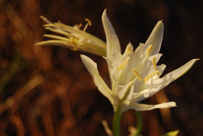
[150, 75]
[124, 64]
[148, 51]
[154, 64]
[88, 23]
[137, 75]
[128, 50]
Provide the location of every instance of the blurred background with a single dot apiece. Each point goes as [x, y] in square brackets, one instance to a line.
[47, 91]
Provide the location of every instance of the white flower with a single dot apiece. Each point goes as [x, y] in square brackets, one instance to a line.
[74, 38]
[134, 75]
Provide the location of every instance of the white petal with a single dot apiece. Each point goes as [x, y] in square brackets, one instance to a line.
[113, 45]
[128, 50]
[160, 83]
[157, 57]
[155, 38]
[123, 94]
[145, 107]
[99, 82]
[58, 43]
[161, 68]
[182, 70]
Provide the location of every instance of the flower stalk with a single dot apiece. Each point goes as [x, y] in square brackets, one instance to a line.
[139, 123]
[116, 121]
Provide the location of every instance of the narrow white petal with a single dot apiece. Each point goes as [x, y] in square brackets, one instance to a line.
[128, 50]
[160, 83]
[58, 43]
[182, 70]
[60, 32]
[123, 94]
[161, 68]
[146, 107]
[155, 38]
[99, 82]
[113, 45]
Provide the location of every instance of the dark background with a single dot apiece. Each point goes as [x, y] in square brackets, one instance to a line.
[68, 103]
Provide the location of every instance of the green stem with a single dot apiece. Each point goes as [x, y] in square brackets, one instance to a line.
[139, 123]
[116, 121]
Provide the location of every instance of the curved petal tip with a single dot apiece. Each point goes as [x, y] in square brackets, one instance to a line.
[155, 38]
[104, 14]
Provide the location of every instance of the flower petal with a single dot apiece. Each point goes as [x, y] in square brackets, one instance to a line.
[99, 82]
[160, 83]
[57, 42]
[155, 38]
[124, 93]
[145, 107]
[128, 50]
[113, 45]
[182, 70]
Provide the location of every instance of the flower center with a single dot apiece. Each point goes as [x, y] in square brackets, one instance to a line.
[147, 77]
[75, 41]
[148, 51]
[124, 64]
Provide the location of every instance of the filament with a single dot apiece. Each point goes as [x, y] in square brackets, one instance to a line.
[88, 23]
[154, 64]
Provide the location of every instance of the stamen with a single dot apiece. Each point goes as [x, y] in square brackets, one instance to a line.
[150, 75]
[137, 75]
[88, 23]
[154, 64]
[124, 64]
[128, 50]
[148, 51]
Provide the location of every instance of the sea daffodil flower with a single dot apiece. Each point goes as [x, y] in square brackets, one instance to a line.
[134, 75]
[74, 38]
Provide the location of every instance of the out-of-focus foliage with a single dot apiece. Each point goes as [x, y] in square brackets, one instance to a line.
[48, 91]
